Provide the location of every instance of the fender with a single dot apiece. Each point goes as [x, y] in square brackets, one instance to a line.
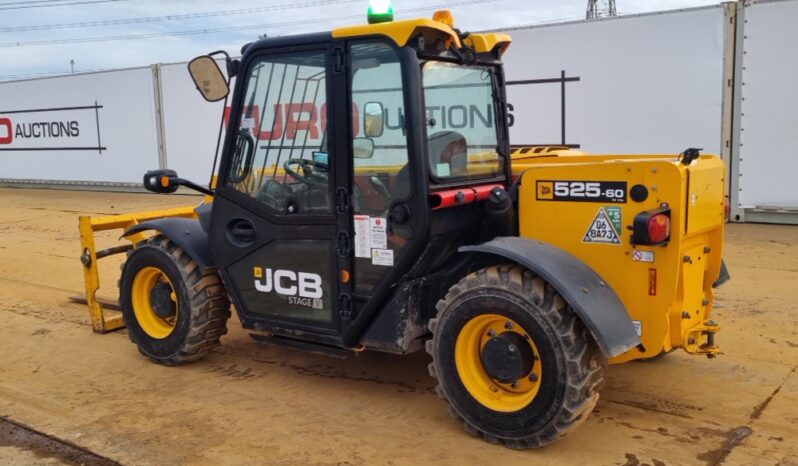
[593, 300]
[185, 232]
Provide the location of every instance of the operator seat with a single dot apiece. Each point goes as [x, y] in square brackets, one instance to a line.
[449, 147]
[448, 150]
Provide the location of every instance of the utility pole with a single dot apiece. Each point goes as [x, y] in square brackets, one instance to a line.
[600, 8]
[72, 66]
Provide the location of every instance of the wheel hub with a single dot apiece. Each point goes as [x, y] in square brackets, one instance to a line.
[498, 362]
[161, 300]
[507, 357]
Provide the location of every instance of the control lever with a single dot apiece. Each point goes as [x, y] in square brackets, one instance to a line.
[380, 186]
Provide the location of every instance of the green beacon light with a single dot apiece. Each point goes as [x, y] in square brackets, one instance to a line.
[380, 11]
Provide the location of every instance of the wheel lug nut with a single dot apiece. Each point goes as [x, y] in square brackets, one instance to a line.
[514, 384]
[491, 333]
[508, 325]
[533, 377]
[512, 348]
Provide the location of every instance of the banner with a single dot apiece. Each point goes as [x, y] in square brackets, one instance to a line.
[93, 127]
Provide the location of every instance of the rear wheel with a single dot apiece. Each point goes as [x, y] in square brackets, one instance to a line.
[174, 310]
[512, 359]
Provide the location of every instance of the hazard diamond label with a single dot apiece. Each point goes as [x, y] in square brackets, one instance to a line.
[606, 227]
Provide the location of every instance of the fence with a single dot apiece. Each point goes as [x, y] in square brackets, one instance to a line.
[717, 77]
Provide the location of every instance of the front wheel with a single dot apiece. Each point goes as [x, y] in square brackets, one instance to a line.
[512, 359]
[174, 310]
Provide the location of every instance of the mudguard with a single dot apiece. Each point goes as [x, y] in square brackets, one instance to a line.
[185, 232]
[594, 301]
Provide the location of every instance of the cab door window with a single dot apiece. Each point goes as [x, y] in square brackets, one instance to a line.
[380, 154]
[281, 156]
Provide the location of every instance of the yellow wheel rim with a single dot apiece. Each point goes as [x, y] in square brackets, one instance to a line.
[502, 397]
[141, 295]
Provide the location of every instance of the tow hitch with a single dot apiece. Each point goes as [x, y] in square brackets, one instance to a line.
[706, 333]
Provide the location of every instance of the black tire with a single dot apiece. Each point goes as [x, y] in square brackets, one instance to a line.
[201, 300]
[571, 364]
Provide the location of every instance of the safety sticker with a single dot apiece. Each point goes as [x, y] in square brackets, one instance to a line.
[362, 236]
[605, 227]
[638, 327]
[378, 232]
[382, 257]
[642, 256]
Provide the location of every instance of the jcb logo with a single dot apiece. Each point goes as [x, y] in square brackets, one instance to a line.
[288, 283]
[545, 190]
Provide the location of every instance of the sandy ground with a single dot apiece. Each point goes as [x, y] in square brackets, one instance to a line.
[253, 404]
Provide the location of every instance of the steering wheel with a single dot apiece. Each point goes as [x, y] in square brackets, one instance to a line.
[308, 168]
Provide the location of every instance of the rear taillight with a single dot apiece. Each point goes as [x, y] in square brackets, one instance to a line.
[659, 228]
[652, 227]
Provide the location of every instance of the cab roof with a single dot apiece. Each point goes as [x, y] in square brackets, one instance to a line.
[402, 32]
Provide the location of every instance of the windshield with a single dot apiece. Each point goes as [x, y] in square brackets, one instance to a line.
[461, 122]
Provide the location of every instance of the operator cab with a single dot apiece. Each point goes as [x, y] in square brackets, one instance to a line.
[354, 165]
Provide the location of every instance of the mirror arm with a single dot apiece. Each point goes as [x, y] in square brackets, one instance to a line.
[232, 65]
[220, 52]
[190, 185]
[233, 68]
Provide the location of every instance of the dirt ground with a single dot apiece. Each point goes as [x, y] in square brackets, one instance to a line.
[252, 404]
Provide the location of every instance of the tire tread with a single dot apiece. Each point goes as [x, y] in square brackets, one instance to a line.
[586, 364]
[209, 304]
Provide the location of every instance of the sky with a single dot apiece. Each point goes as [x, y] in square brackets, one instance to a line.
[33, 32]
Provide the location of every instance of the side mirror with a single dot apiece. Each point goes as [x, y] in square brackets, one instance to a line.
[166, 182]
[373, 120]
[362, 148]
[208, 78]
[160, 181]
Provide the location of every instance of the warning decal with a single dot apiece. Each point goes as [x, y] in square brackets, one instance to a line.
[606, 227]
[362, 236]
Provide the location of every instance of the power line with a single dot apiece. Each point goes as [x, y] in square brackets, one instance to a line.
[538, 23]
[44, 74]
[30, 2]
[227, 28]
[151, 19]
[48, 4]
[155, 35]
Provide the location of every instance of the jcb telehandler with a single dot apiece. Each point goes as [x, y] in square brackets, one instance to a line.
[367, 198]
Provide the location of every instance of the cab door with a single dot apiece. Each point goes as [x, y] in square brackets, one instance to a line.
[390, 212]
[279, 209]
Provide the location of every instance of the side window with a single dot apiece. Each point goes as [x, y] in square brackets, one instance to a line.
[281, 157]
[380, 155]
[462, 139]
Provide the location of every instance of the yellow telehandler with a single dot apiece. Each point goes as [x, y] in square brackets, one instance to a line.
[367, 198]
